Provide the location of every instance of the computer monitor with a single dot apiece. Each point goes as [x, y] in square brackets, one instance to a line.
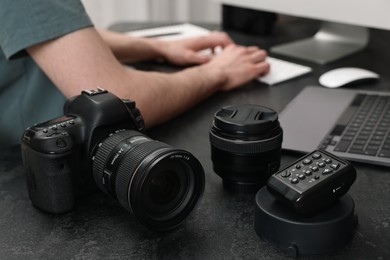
[344, 30]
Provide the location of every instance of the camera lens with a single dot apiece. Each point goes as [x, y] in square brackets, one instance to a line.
[164, 187]
[159, 184]
[246, 145]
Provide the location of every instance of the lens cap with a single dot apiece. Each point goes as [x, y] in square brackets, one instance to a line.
[246, 120]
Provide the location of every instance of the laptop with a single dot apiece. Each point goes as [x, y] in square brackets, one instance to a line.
[349, 123]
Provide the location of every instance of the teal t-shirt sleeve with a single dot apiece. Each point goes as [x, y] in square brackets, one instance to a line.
[26, 22]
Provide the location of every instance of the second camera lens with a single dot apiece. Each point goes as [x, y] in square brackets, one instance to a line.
[246, 145]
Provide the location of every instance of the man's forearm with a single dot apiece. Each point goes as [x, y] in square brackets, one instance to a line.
[81, 60]
[162, 96]
[131, 49]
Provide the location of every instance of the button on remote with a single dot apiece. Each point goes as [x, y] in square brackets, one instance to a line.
[307, 161]
[321, 165]
[327, 171]
[316, 155]
[286, 174]
[335, 166]
[327, 160]
[294, 181]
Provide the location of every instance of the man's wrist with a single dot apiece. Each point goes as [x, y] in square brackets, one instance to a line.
[158, 48]
[214, 76]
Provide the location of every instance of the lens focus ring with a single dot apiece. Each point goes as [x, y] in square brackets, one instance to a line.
[102, 155]
[246, 147]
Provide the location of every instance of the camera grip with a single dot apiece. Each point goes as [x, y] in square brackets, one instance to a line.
[49, 180]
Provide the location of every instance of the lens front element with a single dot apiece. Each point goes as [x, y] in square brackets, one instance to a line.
[166, 188]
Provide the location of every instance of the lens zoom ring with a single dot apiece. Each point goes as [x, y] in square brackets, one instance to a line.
[103, 153]
[129, 165]
[246, 147]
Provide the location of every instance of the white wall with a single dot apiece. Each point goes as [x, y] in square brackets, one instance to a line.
[106, 12]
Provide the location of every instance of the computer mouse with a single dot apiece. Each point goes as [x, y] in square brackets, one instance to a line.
[345, 76]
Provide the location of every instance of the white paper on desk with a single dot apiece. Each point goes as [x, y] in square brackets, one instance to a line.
[175, 32]
[172, 32]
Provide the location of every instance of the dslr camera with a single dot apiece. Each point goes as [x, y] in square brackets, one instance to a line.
[98, 144]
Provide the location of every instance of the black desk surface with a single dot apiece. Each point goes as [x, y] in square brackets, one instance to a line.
[222, 226]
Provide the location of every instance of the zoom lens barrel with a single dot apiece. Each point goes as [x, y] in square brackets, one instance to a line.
[245, 146]
[159, 184]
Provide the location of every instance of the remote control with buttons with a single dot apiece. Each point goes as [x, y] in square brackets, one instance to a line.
[312, 183]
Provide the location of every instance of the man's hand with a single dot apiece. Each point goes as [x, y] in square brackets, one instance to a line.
[188, 51]
[238, 65]
[235, 64]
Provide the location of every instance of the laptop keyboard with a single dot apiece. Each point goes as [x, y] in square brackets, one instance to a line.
[364, 127]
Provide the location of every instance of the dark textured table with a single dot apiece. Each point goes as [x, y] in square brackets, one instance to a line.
[222, 225]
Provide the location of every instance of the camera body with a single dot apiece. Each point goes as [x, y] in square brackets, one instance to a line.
[97, 145]
[58, 153]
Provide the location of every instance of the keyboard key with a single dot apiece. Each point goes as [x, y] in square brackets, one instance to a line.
[357, 147]
[372, 147]
[384, 153]
[360, 142]
[376, 143]
[357, 151]
[370, 152]
[386, 146]
[362, 137]
[377, 138]
[350, 133]
[348, 138]
[342, 146]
